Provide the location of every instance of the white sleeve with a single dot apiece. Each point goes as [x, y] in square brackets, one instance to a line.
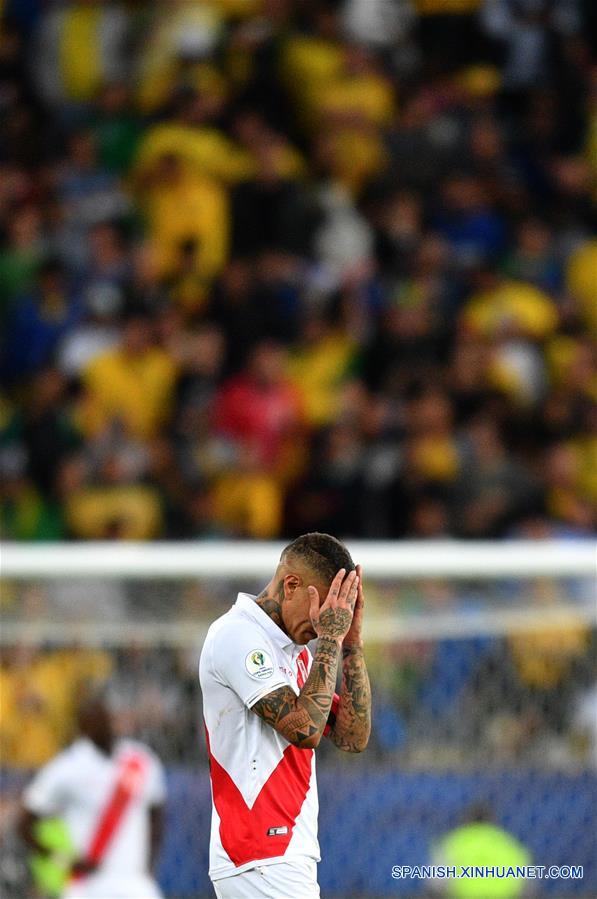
[47, 793]
[243, 659]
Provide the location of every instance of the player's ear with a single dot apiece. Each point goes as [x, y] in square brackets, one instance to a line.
[291, 582]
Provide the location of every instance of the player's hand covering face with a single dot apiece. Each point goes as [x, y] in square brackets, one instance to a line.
[354, 637]
[334, 618]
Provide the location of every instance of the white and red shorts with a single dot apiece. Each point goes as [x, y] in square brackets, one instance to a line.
[294, 879]
[110, 887]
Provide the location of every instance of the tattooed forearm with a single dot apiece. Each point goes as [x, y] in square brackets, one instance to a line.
[353, 718]
[302, 719]
[280, 710]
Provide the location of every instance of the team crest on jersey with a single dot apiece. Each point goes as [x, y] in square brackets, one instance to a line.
[259, 665]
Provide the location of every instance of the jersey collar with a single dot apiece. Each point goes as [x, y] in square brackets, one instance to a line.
[246, 601]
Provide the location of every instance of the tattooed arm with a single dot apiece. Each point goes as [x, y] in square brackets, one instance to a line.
[352, 726]
[302, 719]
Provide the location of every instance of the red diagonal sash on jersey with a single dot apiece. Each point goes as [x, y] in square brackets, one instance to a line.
[244, 830]
[128, 785]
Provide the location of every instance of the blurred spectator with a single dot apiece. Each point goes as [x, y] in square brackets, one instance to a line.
[99, 331]
[473, 229]
[319, 366]
[48, 431]
[132, 385]
[101, 496]
[39, 696]
[185, 210]
[190, 135]
[24, 513]
[380, 23]
[38, 322]
[247, 504]
[494, 490]
[78, 47]
[21, 254]
[116, 127]
[88, 195]
[260, 411]
[530, 31]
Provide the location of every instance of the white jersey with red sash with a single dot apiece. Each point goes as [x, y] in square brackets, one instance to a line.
[105, 802]
[264, 790]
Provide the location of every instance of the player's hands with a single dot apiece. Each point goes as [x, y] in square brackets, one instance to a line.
[354, 637]
[334, 618]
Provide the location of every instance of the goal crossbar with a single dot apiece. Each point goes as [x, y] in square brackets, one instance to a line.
[227, 559]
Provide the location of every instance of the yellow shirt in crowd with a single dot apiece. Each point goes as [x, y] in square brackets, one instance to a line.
[128, 511]
[581, 281]
[196, 209]
[248, 504]
[135, 390]
[317, 372]
[208, 151]
[512, 304]
[39, 701]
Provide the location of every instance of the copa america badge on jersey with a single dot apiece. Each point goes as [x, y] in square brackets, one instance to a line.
[259, 665]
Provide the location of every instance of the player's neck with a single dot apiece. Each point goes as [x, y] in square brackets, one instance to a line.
[269, 601]
[105, 745]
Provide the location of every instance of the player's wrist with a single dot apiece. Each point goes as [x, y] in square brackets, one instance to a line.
[331, 638]
[352, 648]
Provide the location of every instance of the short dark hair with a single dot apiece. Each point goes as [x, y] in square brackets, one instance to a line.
[324, 554]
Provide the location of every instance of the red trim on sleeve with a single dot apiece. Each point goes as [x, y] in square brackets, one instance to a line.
[302, 668]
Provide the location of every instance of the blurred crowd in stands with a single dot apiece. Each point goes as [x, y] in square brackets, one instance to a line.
[270, 267]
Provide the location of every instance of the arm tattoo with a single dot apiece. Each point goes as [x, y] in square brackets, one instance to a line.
[302, 719]
[353, 718]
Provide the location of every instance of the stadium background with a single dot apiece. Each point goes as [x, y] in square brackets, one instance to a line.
[270, 267]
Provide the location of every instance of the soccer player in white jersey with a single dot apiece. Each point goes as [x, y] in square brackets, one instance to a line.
[110, 795]
[267, 703]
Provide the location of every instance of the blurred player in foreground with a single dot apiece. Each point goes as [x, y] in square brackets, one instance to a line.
[109, 794]
[267, 703]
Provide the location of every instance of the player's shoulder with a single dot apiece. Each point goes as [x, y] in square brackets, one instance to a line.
[126, 745]
[75, 752]
[67, 762]
[153, 771]
[232, 625]
[229, 642]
